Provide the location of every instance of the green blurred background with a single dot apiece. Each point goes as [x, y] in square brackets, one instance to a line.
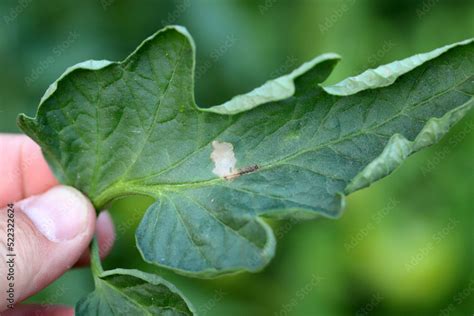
[403, 246]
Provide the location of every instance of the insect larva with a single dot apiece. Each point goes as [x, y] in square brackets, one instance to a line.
[242, 171]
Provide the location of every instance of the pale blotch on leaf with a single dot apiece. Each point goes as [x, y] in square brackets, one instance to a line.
[223, 158]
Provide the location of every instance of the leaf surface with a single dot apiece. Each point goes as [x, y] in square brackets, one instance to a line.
[287, 148]
[131, 292]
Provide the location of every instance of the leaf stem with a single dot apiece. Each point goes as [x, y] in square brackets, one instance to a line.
[96, 266]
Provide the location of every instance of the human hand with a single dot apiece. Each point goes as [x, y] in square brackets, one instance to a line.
[53, 226]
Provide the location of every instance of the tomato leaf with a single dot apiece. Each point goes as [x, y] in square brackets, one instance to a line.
[290, 148]
[131, 292]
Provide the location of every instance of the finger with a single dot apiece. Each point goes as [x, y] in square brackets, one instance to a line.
[105, 232]
[27, 173]
[39, 310]
[23, 168]
[51, 231]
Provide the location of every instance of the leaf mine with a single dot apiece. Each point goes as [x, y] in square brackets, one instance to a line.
[224, 159]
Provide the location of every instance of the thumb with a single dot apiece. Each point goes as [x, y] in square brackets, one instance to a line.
[40, 238]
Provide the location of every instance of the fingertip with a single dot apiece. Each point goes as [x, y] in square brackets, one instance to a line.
[37, 176]
[105, 231]
[23, 168]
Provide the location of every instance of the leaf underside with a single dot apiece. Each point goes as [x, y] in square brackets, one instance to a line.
[113, 129]
[131, 292]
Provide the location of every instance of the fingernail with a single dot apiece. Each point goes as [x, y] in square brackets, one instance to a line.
[60, 214]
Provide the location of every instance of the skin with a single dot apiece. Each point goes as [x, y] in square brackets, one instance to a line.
[39, 261]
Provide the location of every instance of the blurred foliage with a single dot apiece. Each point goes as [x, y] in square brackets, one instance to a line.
[404, 246]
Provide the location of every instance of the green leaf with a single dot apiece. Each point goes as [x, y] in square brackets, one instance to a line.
[287, 148]
[131, 292]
